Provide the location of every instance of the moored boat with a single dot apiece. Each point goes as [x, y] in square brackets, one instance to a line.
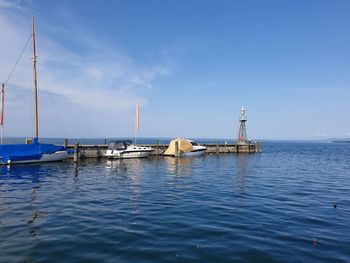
[184, 148]
[197, 150]
[122, 149]
[35, 151]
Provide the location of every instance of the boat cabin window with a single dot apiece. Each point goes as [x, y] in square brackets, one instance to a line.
[120, 146]
[111, 146]
[116, 146]
[194, 143]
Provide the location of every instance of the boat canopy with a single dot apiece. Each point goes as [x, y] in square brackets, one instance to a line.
[184, 146]
[24, 152]
[119, 144]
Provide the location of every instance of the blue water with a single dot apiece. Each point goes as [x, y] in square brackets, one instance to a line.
[272, 207]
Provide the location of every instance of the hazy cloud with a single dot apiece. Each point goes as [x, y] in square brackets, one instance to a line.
[10, 4]
[100, 81]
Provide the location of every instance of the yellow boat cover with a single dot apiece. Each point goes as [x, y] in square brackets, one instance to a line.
[184, 145]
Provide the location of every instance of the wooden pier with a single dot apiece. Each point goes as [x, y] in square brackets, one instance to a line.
[98, 151]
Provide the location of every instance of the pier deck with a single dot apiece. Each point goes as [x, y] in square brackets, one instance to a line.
[97, 151]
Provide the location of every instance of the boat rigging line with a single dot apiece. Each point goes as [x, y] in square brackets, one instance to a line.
[3, 88]
[18, 59]
[50, 91]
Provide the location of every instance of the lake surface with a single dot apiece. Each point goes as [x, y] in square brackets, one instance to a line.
[277, 206]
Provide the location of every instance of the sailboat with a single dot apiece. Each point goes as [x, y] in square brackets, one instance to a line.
[35, 151]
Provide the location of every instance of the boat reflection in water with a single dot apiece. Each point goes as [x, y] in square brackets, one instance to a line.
[30, 177]
[179, 166]
[123, 167]
[128, 171]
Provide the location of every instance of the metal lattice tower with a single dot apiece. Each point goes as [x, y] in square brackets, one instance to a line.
[242, 137]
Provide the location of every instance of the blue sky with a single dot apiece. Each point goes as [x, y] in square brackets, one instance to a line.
[190, 64]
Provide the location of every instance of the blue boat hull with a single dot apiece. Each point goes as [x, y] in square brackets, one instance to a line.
[35, 152]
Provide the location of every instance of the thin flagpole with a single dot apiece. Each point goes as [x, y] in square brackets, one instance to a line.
[137, 124]
[135, 136]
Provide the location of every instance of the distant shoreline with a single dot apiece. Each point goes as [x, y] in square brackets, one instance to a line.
[341, 141]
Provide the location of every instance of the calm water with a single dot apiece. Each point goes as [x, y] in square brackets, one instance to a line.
[273, 207]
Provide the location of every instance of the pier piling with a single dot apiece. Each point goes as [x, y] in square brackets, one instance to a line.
[157, 147]
[177, 152]
[76, 152]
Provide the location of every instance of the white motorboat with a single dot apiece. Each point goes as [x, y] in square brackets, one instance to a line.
[197, 150]
[185, 148]
[125, 149]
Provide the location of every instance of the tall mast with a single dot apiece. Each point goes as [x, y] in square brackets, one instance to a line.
[36, 117]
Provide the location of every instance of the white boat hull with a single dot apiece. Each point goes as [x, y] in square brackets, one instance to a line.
[131, 151]
[53, 157]
[197, 150]
[193, 153]
[127, 155]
